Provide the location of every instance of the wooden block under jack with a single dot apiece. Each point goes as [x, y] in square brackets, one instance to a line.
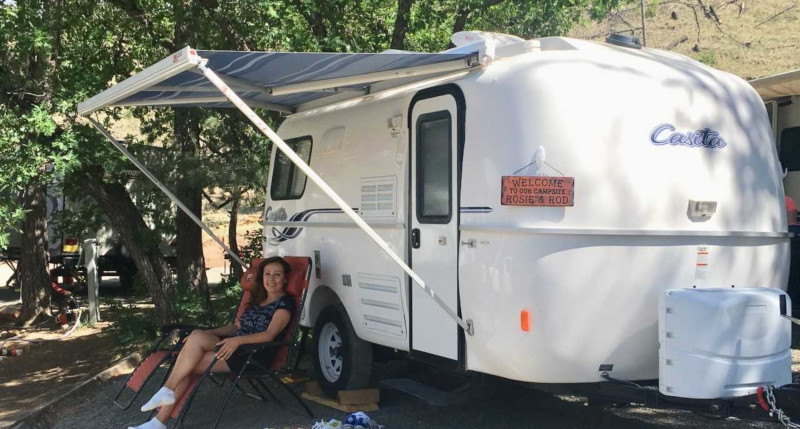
[313, 389]
[337, 406]
[362, 396]
[294, 378]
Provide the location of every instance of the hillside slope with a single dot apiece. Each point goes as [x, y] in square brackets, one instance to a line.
[749, 38]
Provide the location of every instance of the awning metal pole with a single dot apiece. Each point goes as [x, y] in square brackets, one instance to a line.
[264, 128]
[165, 190]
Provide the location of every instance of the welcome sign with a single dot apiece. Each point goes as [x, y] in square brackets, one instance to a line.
[537, 191]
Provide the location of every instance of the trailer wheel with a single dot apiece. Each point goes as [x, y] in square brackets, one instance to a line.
[342, 361]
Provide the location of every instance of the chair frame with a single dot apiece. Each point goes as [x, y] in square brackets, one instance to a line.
[170, 355]
[255, 371]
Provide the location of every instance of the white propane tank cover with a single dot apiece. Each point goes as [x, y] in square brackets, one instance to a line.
[720, 343]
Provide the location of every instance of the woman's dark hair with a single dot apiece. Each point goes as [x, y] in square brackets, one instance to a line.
[258, 293]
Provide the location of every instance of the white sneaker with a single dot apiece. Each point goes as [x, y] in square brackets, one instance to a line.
[164, 396]
[152, 424]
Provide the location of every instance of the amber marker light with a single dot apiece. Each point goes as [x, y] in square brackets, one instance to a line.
[525, 320]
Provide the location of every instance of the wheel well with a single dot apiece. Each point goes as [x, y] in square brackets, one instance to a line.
[322, 297]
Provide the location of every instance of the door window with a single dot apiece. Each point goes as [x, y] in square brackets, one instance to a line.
[434, 168]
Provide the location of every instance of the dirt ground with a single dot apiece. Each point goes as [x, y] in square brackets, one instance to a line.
[49, 366]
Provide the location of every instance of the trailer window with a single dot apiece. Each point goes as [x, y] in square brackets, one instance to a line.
[288, 182]
[434, 165]
[790, 148]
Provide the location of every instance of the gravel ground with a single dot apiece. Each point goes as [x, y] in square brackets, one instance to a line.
[503, 406]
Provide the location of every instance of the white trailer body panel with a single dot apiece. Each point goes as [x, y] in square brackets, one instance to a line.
[676, 185]
[590, 275]
[351, 154]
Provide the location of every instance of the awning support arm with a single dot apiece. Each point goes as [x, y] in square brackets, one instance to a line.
[264, 128]
[165, 190]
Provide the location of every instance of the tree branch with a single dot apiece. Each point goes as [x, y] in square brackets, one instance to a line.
[134, 11]
[461, 18]
[401, 24]
[234, 39]
[213, 204]
[777, 14]
[314, 20]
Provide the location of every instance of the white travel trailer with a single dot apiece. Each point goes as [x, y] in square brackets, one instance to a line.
[546, 193]
[645, 134]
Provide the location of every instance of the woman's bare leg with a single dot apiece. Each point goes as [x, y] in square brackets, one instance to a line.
[220, 366]
[198, 343]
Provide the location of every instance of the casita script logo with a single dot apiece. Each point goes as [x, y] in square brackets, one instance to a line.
[665, 134]
[273, 215]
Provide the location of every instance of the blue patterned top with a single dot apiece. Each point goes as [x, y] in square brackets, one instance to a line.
[256, 318]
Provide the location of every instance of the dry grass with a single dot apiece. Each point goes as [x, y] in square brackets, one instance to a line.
[748, 39]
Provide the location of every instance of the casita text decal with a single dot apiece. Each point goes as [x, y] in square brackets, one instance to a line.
[665, 134]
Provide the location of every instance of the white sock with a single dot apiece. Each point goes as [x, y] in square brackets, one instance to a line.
[152, 424]
[164, 396]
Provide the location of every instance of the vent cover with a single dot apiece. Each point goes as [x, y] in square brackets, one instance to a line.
[379, 197]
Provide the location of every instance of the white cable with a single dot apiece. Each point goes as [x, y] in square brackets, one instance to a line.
[74, 327]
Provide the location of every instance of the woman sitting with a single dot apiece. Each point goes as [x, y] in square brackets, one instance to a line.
[266, 318]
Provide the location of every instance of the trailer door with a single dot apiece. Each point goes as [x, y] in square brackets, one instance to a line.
[434, 221]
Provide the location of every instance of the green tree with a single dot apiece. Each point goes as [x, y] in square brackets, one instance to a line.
[55, 53]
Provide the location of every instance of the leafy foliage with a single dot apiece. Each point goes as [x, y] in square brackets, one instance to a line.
[57, 53]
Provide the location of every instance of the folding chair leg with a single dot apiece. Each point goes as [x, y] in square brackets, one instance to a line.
[258, 380]
[227, 398]
[190, 398]
[235, 384]
[219, 383]
[294, 395]
[260, 395]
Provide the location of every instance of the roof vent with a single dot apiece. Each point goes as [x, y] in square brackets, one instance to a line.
[623, 40]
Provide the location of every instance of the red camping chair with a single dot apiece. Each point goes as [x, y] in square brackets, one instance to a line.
[160, 356]
[288, 347]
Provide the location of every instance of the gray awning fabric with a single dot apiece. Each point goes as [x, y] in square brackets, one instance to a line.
[274, 80]
[779, 85]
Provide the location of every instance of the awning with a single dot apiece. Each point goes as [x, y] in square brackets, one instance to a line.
[273, 80]
[779, 85]
[281, 82]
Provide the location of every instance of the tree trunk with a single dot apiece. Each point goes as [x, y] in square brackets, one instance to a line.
[401, 24]
[190, 262]
[189, 251]
[236, 269]
[34, 260]
[461, 19]
[644, 23]
[34, 278]
[140, 241]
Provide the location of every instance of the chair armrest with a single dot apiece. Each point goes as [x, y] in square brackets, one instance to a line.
[260, 346]
[181, 327]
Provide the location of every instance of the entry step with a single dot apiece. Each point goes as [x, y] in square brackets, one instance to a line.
[431, 395]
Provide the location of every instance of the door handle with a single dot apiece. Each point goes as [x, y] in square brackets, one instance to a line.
[415, 238]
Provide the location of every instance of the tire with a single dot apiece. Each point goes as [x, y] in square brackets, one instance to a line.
[126, 282]
[126, 270]
[342, 361]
